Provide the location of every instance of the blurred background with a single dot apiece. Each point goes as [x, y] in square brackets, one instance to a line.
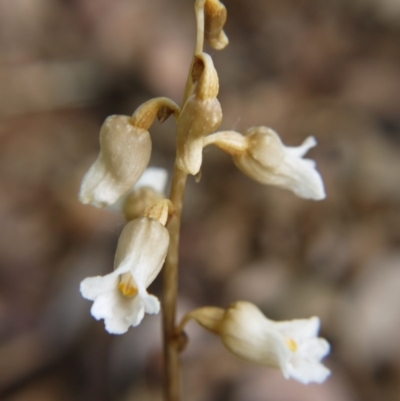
[304, 67]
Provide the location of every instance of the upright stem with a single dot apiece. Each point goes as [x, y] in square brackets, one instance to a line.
[172, 382]
[199, 10]
[172, 387]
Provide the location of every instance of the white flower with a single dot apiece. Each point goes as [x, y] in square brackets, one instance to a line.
[266, 160]
[292, 346]
[124, 155]
[121, 298]
[125, 148]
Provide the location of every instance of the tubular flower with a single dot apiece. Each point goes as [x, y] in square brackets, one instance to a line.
[121, 298]
[291, 346]
[268, 161]
[124, 155]
[125, 148]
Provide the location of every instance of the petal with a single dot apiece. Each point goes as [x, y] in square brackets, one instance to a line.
[142, 246]
[314, 348]
[98, 187]
[306, 371]
[300, 151]
[299, 329]
[300, 176]
[151, 304]
[154, 177]
[106, 306]
[93, 287]
[116, 326]
[137, 312]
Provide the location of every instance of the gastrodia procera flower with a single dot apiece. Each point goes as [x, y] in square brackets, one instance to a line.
[291, 346]
[125, 148]
[201, 115]
[121, 298]
[268, 161]
[261, 155]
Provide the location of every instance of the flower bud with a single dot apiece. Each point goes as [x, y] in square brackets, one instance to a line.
[125, 148]
[149, 189]
[138, 200]
[268, 161]
[215, 18]
[200, 115]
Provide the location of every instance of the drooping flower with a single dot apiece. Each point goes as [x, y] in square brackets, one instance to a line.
[121, 298]
[268, 161]
[125, 148]
[124, 154]
[292, 346]
[261, 155]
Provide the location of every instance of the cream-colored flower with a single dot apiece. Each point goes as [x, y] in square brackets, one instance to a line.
[201, 115]
[124, 155]
[121, 298]
[268, 161]
[125, 148]
[292, 346]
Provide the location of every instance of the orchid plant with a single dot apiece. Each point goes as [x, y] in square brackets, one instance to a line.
[149, 241]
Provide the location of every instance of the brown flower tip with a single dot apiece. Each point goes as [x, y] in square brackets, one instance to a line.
[205, 76]
[160, 210]
[160, 107]
[215, 17]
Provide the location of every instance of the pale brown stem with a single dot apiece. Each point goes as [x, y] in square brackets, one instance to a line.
[172, 379]
[199, 10]
[172, 386]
